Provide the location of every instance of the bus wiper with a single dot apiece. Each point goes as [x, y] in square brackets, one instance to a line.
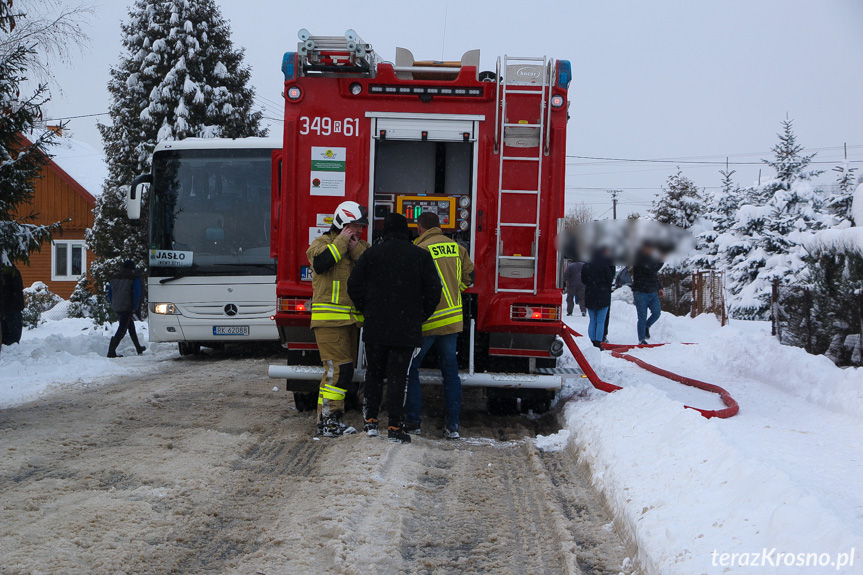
[179, 275]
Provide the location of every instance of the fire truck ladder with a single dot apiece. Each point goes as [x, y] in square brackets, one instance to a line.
[527, 77]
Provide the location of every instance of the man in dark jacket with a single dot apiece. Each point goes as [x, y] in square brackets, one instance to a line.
[396, 287]
[646, 290]
[597, 276]
[11, 305]
[124, 293]
[574, 287]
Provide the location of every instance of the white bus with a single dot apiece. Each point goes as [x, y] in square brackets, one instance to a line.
[211, 279]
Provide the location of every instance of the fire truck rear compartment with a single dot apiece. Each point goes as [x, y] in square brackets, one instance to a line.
[412, 177]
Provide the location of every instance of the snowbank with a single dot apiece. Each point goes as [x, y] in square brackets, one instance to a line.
[69, 352]
[784, 474]
[680, 491]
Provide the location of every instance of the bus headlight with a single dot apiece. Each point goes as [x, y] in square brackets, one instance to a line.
[164, 309]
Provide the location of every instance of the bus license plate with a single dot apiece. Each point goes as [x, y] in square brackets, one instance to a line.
[231, 330]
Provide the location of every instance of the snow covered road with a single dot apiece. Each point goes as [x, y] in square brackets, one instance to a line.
[202, 468]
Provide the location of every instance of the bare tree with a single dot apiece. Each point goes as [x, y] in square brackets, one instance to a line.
[50, 30]
[579, 214]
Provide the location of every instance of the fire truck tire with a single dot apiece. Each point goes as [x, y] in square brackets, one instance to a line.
[536, 400]
[305, 401]
[189, 348]
[501, 402]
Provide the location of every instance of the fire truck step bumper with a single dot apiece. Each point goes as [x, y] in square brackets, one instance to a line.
[504, 380]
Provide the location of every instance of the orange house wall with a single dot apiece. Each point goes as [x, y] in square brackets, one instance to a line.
[55, 200]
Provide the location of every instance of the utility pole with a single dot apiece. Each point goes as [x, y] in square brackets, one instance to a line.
[614, 194]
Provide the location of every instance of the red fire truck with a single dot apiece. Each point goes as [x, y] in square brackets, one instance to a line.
[484, 150]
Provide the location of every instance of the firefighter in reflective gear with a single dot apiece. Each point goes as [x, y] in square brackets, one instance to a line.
[335, 321]
[442, 328]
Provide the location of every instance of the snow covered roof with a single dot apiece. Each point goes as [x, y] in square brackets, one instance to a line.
[84, 163]
[218, 143]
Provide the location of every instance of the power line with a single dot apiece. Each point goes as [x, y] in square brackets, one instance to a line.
[698, 162]
[76, 117]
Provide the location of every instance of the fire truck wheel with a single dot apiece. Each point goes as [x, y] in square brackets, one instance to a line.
[305, 401]
[536, 400]
[189, 348]
[501, 402]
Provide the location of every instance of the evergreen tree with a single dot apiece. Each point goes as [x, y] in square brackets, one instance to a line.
[770, 227]
[718, 218]
[840, 202]
[20, 162]
[680, 203]
[725, 202]
[179, 76]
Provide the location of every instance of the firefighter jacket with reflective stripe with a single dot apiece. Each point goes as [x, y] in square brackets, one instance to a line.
[456, 274]
[332, 266]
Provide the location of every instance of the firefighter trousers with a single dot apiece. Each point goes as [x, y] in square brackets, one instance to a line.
[338, 348]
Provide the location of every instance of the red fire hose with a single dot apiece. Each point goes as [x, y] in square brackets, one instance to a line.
[567, 334]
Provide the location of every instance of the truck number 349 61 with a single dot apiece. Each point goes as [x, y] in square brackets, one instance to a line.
[324, 126]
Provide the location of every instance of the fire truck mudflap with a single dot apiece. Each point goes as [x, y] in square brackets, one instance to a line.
[485, 151]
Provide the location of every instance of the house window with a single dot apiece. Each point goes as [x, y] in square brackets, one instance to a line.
[68, 260]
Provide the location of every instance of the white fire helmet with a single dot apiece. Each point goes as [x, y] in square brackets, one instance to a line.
[350, 213]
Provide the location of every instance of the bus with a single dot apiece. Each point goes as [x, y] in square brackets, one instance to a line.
[211, 275]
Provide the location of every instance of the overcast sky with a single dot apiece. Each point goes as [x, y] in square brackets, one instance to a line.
[661, 79]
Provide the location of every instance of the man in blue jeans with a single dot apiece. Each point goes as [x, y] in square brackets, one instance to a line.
[441, 330]
[646, 290]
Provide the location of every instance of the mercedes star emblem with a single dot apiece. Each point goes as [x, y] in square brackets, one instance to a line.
[231, 309]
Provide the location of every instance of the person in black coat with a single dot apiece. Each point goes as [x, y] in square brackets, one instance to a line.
[597, 276]
[396, 287]
[646, 290]
[11, 304]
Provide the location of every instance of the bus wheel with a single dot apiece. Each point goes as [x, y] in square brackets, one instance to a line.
[305, 401]
[501, 402]
[189, 348]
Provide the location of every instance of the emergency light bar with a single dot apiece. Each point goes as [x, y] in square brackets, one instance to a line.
[386, 90]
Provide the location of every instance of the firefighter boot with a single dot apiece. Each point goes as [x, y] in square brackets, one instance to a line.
[334, 427]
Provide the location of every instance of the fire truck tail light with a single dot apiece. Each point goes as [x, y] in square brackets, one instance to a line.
[523, 312]
[557, 101]
[356, 88]
[564, 74]
[294, 305]
[294, 93]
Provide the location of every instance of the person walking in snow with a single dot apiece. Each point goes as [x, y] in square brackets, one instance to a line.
[597, 276]
[574, 287]
[396, 287]
[124, 293]
[11, 305]
[646, 290]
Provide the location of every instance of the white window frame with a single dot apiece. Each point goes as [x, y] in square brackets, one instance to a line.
[69, 244]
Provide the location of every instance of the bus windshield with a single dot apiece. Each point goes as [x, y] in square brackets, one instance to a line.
[210, 213]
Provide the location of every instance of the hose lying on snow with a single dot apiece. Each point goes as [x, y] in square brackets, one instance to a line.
[567, 334]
